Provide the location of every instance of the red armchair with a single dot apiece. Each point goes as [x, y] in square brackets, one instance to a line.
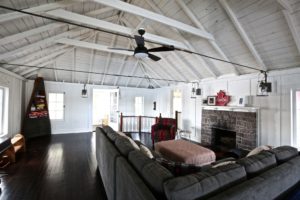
[164, 129]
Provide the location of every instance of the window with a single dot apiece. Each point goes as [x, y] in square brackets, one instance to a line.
[177, 101]
[139, 106]
[3, 111]
[56, 106]
[295, 118]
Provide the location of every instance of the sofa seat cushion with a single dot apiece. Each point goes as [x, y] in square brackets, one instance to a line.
[284, 153]
[124, 145]
[205, 183]
[152, 173]
[258, 163]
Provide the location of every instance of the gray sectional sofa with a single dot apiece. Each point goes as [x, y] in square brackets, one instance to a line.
[127, 173]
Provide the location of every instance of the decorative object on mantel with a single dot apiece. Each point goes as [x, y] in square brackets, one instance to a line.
[211, 100]
[222, 99]
[84, 93]
[37, 122]
[242, 101]
[263, 86]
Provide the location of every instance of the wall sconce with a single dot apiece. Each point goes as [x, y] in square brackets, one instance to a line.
[84, 92]
[263, 86]
[196, 90]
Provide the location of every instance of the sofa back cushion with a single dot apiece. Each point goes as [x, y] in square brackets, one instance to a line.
[124, 145]
[152, 173]
[284, 153]
[258, 163]
[205, 183]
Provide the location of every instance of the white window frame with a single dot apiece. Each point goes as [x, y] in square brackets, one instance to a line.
[142, 106]
[63, 93]
[176, 95]
[4, 112]
[295, 132]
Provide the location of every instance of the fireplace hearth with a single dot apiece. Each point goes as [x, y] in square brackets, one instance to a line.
[223, 139]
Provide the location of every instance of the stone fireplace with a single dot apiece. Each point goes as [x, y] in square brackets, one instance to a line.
[223, 139]
[243, 124]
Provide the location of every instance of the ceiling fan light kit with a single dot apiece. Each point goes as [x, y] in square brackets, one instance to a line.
[141, 52]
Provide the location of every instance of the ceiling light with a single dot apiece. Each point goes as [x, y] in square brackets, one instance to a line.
[141, 55]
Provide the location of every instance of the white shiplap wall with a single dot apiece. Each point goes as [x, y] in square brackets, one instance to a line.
[15, 102]
[275, 110]
[78, 110]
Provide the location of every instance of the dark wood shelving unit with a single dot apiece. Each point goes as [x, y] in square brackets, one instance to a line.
[37, 121]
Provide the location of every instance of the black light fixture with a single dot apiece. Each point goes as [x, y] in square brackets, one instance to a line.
[196, 90]
[84, 93]
[263, 86]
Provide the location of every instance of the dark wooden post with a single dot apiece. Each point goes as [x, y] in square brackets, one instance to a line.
[121, 122]
[140, 124]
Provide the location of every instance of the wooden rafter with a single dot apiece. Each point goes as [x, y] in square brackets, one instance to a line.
[108, 59]
[194, 19]
[92, 57]
[242, 33]
[111, 27]
[126, 7]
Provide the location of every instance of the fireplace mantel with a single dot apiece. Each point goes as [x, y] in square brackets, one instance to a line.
[231, 108]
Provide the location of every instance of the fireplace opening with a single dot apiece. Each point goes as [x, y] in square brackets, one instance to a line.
[223, 139]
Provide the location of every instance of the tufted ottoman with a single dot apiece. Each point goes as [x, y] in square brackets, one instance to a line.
[186, 152]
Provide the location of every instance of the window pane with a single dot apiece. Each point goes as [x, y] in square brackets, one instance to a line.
[56, 105]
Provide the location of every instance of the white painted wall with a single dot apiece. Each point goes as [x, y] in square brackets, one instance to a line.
[78, 110]
[275, 110]
[15, 102]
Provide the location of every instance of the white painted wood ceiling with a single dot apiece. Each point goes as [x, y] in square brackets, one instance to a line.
[257, 33]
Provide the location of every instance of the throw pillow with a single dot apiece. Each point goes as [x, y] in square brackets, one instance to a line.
[121, 134]
[224, 163]
[146, 151]
[133, 143]
[259, 149]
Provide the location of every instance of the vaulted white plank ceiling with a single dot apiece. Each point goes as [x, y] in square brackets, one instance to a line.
[263, 34]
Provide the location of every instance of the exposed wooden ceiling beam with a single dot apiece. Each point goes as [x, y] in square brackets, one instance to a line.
[126, 7]
[188, 44]
[51, 26]
[194, 19]
[291, 21]
[285, 5]
[38, 9]
[42, 60]
[92, 57]
[167, 65]
[5, 71]
[42, 43]
[134, 69]
[108, 59]
[73, 66]
[111, 27]
[35, 55]
[89, 45]
[243, 33]
[22, 35]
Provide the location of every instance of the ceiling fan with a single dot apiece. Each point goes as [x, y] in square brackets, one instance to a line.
[141, 51]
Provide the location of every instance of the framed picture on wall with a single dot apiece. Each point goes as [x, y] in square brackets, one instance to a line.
[241, 101]
[211, 100]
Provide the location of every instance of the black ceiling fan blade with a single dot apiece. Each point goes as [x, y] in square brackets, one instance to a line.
[163, 48]
[153, 57]
[139, 40]
[122, 49]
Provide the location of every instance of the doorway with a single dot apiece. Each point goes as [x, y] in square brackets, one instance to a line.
[105, 107]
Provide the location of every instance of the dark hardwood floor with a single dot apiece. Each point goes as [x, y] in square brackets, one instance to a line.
[57, 167]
